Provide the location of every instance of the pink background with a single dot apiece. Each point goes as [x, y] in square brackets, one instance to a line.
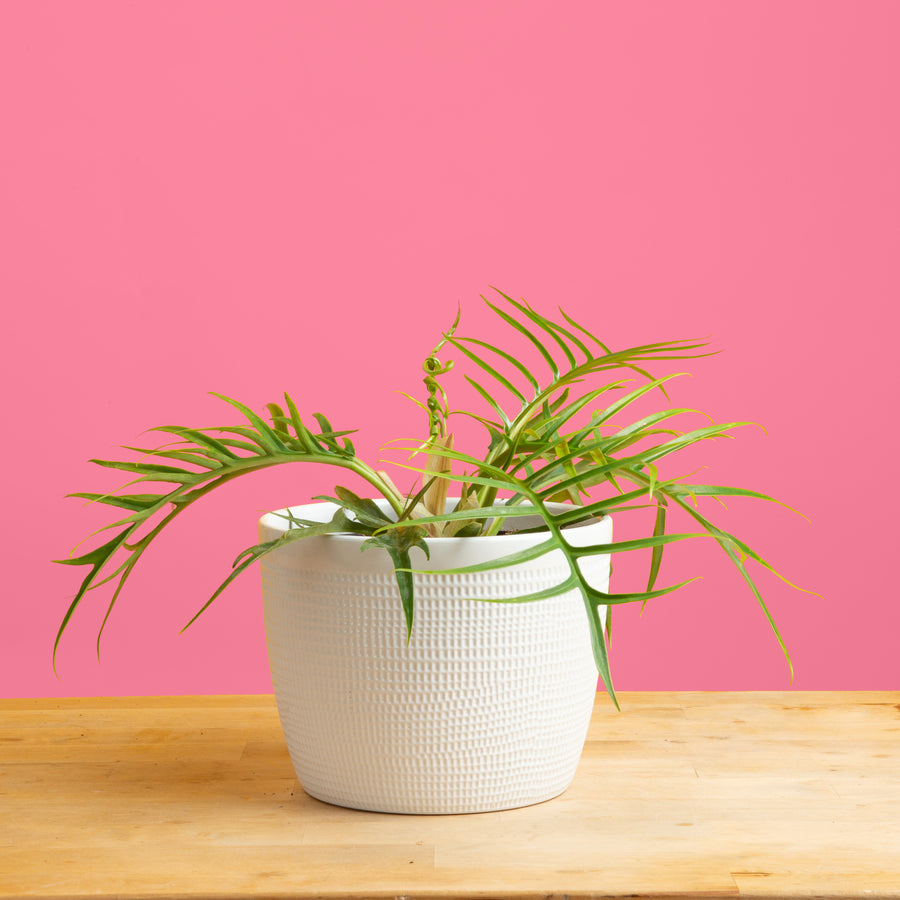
[249, 198]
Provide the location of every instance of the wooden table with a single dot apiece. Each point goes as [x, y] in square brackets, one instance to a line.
[681, 794]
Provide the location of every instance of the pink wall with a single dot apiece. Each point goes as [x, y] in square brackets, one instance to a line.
[250, 198]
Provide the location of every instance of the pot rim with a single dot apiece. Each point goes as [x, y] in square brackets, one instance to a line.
[277, 522]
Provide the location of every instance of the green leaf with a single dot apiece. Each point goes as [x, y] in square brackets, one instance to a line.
[498, 376]
[554, 591]
[572, 338]
[714, 490]
[253, 445]
[547, 441]
[510, 559]
[642, 458]
[659, 528]
[398, 542]
[246, 558]
[641, 596]
[599, 644]
[742, 569]
[268, 437]
[525, 371]
[149, 471]
[326, 436]
[634, 395]
[488, 398]
[653, 541]
[550, 328]
[278, 418]
[123, 501]
[217, 447]
[303, 433]
[498, 511]
[195, 457]
[366, 511]
[532, 338]
[96, 559]
[644, 428]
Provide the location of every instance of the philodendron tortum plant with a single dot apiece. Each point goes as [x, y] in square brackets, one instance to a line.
[554, 432]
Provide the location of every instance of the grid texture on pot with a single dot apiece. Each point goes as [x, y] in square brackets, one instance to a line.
[486, 708]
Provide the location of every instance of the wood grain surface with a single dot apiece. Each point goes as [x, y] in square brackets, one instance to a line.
[792, 794]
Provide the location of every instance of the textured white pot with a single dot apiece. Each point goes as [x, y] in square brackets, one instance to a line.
[488, 706]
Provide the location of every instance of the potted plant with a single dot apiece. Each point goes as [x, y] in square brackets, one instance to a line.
[437, 650]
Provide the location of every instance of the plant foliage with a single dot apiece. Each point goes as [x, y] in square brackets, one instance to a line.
[553, 435]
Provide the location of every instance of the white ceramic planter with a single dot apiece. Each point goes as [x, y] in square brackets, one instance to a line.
[488, 706]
